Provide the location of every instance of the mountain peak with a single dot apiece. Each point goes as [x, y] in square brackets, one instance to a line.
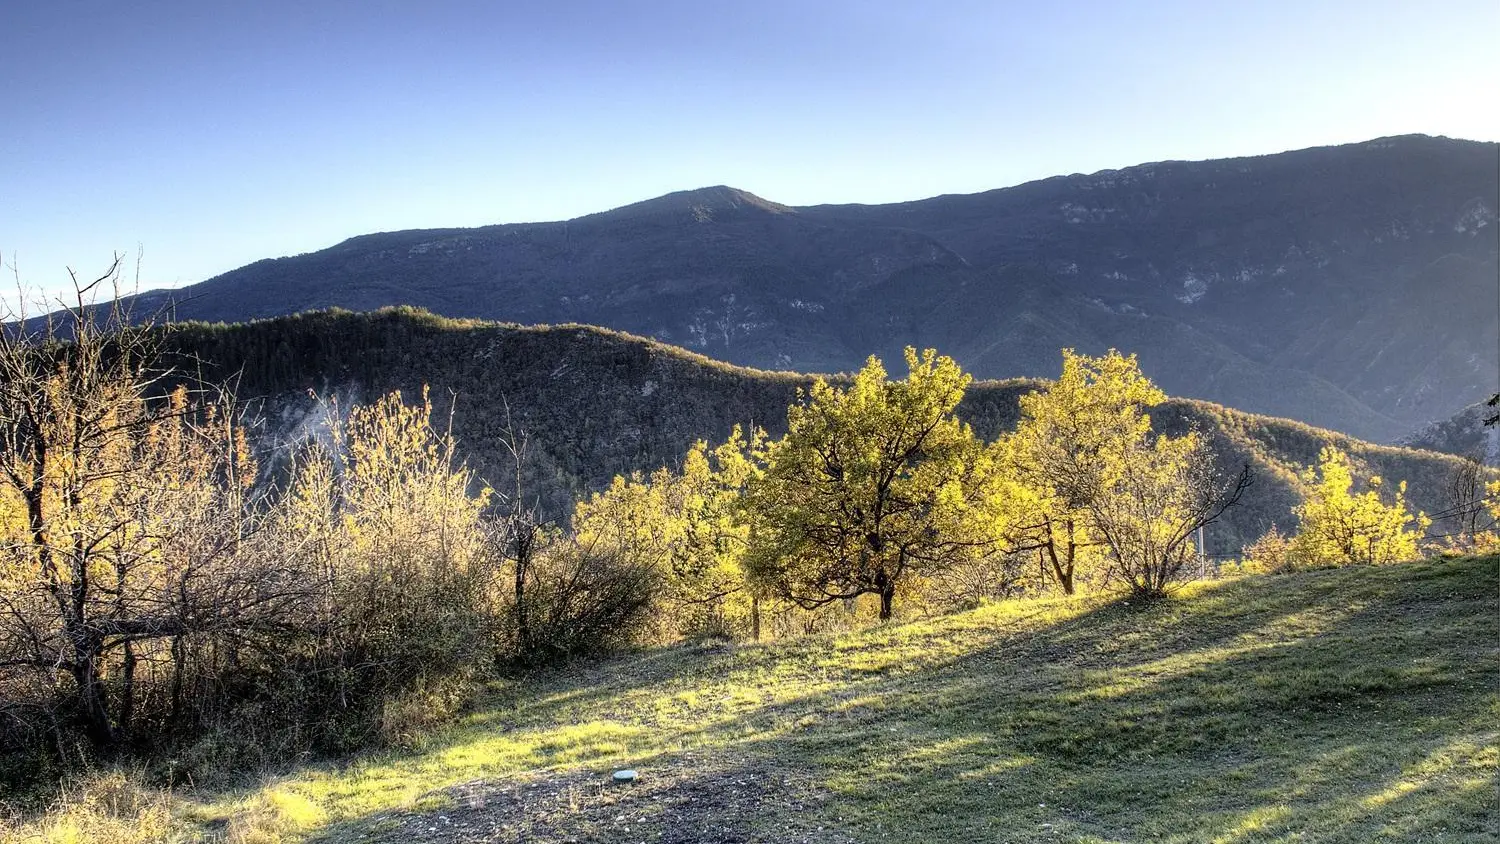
[702, 204]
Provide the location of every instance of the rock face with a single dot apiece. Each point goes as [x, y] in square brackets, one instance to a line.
[1352, 287]
[1464, 433]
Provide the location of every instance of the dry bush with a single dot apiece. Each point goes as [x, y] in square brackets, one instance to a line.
[1272, 553]
[384, 525]
[128, 537]
[583, 600]
[155, 595]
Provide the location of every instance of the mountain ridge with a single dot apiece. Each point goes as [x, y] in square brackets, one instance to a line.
[1336, 285]
[599, 402]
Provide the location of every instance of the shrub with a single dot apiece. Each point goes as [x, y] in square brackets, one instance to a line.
[113, 806]
[1339, 527]
[584, 600]
[1271, 553]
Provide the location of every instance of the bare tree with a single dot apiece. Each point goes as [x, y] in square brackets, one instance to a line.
[1467, 507]
[518, 531]
[1149, 512]
[121, 510]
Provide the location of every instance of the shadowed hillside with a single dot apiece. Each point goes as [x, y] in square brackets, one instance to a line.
[1463, 433]
[598, 402]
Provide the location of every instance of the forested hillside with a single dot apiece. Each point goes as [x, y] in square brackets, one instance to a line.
[597, 403]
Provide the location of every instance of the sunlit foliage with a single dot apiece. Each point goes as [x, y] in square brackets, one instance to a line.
[1097, 476]
[383, 525]
[685, 526]
[124, 531]
[1339, 526]
[872, 484]
[155, 584]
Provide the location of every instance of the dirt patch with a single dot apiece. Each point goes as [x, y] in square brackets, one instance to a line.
[683, 801]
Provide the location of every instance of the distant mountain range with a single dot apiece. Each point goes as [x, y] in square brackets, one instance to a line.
[1351, 287]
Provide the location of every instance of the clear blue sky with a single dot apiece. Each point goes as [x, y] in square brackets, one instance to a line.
[210, 134]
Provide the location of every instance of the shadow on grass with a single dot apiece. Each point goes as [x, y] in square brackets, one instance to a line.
[1353, 705]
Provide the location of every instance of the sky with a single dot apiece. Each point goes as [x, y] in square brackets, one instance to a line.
[195, 137]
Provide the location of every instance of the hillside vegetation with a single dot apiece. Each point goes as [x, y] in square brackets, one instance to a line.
[1350, 705]
[204, 591]
[1463, 433]
[598, 403]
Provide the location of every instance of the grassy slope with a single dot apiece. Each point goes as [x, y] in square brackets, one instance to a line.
[1348, 705]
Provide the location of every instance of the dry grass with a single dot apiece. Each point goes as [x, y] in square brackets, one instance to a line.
[113, 806]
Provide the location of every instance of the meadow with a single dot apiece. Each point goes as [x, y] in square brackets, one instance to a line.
[1345, 705]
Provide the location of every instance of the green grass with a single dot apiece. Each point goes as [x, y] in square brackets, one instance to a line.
[1360, 704]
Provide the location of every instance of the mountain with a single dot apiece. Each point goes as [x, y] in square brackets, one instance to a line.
[1464, 433]
[598, 402]
[1352, 287]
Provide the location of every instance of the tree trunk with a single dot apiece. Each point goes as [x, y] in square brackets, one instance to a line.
[523, 537]
[1070, 558]
[1062, 568]
[127, 689]
[93, 710]
[178, 660]
[885, 587]
[1067, 582]
[755, 619]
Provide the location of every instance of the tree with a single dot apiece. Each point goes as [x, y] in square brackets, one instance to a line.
[1164, 492]
[1338, 527]
[686, 526]
[125, 528]
[519, 532]
[1470, 505]
[871, 484]
[1097, 474]
[1031, 514]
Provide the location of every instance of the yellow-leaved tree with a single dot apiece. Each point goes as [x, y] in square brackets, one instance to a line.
[686, 527]
[1099, 479]
[1338, 526]
[873, 484]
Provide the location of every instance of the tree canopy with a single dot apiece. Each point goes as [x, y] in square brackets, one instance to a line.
[873, 482]
[1098, 475]
[1341, 526]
